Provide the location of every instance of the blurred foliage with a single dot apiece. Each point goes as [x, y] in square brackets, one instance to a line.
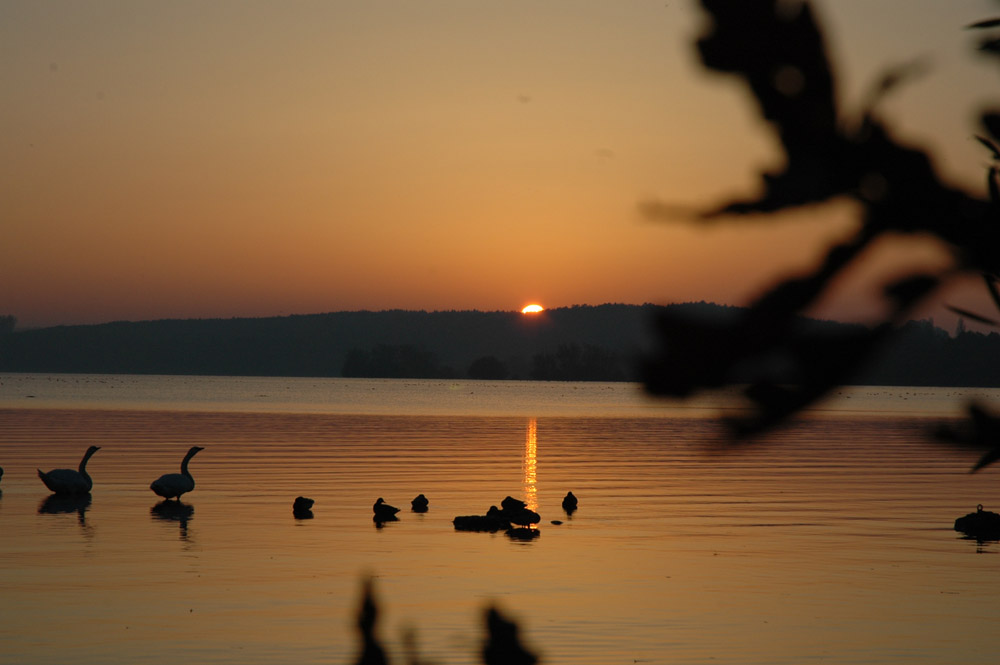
[501, 646]
[777, 49]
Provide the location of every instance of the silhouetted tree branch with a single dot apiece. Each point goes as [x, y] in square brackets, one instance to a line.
[777, 49]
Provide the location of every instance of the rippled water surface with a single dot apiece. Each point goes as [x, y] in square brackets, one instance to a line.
[831, 541]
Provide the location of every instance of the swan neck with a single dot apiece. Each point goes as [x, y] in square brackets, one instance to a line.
[184, 462]
[86, 458]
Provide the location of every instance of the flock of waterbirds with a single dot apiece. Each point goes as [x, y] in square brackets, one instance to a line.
[76, 482]
[513, 516]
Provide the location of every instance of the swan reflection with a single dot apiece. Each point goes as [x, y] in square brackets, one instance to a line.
[58, 504]
[174, 511]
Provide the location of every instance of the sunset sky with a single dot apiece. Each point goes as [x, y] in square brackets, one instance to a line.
[192, 159]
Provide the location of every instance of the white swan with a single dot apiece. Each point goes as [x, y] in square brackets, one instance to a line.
[172, 485]
[68, 481]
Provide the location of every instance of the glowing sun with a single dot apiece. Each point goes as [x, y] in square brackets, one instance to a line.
[532, 309]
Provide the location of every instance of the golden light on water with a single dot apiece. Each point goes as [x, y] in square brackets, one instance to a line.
[531, 465]
[533, 308]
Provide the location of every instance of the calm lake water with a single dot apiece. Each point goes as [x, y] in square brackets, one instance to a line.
[830, 541]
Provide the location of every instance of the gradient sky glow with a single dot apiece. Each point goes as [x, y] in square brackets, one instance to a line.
[191, 159]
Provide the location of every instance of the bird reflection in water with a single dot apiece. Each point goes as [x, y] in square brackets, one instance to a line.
[174, 511]
[57, 504]
[522, 533]
[379, 522]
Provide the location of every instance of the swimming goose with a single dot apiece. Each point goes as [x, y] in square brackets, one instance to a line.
[569, 503]
[68, 481]
[172, 485]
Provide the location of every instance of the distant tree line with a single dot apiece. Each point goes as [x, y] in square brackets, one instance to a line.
[573, 362]
[7, 324]
[393, 343]
[570, 362]
[599, 343]
[394, 362]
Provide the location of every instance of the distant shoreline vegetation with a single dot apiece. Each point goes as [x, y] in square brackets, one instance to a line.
[579, 343]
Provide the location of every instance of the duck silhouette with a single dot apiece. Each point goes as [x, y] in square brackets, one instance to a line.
[384, 512]
[492, 521]
[569, 503]
[302, 508]
[981, 525]
[69, 481]
[172, 485]
[419, 504]
[517, 512]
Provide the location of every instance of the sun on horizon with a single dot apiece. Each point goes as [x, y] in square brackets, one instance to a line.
[532, 309]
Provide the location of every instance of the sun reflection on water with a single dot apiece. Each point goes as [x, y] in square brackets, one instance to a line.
[530, 465]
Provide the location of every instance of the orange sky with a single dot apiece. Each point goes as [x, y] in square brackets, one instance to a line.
[190, 159]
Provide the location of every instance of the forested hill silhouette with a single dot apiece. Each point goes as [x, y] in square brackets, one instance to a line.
[580, 343]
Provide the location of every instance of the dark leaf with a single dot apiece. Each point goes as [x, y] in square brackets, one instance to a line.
[991, 121]
[985, 23]
[991, 145]
[972, 315]
[987, 459]
[990, 46]
[503, 643]
[991, 286]
[372, 652]
[908, 291]
[791, 79]
[893, 77]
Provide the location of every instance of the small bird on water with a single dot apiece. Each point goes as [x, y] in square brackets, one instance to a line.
[569, 502]
[419, 504]
[302, 507]
[383, 511]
